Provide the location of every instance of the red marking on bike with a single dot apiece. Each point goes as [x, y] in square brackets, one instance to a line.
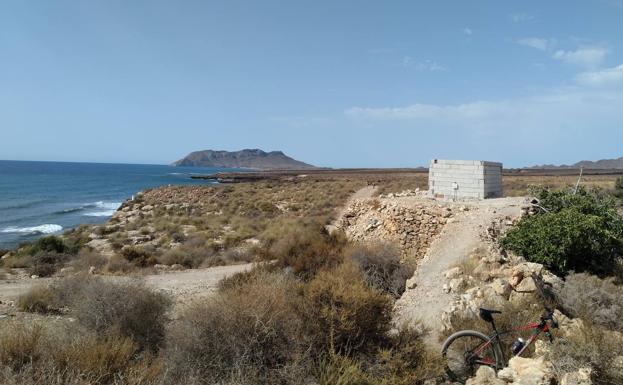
[486, 361]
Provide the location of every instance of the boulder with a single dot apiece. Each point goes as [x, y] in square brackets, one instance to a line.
[581, 376]
[502, 287]
[528, 371]
[527, 285]
[457, 284]
[485, 376]
[453, 272]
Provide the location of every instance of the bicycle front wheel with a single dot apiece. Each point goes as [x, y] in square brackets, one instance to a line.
[465, 351]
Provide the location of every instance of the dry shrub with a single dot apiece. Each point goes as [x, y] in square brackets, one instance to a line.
[305, 247]
[87, 258]
[46, 263]
[340, 370]
[18, 344]
[129, 309]
[405, 360]
[193, 253]
[239, 280]
[590, 298]
[250, 332]
[138, 256]
[343, 314]
[33, 354]
[39, 299]
[381, 267]
[118, 264]
[589, 346]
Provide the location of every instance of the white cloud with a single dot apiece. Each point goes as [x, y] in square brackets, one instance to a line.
[468, 31]
[536, 43]
[587, 57]
[520, 17]
[426, 65]
[555, 111]
[605, 77]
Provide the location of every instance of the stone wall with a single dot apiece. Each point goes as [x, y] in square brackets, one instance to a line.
[412, 227]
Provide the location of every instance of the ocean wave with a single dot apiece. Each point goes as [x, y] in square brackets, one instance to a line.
[41, 229]
[108, 206]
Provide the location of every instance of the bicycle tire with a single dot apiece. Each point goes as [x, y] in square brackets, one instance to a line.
[463, 337]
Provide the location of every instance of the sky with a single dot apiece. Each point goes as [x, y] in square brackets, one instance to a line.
[333, 83]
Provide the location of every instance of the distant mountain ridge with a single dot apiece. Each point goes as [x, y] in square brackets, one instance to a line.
[603, 164]
[247, 158]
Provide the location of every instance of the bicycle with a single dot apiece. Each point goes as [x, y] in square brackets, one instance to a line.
[465, 351]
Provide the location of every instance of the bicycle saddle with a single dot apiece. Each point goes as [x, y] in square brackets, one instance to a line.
[487, 314]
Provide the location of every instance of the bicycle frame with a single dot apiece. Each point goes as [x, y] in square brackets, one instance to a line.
[538, 327]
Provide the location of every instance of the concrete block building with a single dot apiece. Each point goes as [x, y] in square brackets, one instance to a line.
[465, 179]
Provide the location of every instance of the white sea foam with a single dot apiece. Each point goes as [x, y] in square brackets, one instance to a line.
[109, 209]
[41, 229]
[107, 205]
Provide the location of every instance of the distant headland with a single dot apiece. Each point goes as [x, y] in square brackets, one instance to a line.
[247, 158]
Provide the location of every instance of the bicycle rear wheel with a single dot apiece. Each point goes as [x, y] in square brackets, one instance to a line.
[465, 351]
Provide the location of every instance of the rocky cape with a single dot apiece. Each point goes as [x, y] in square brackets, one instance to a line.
[248, 158]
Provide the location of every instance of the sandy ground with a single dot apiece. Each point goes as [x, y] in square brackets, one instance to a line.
[183, 286]
[459, 238]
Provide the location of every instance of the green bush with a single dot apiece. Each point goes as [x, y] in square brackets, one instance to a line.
[618, 188]
[575, 232]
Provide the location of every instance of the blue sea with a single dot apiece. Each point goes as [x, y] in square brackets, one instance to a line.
[41, 198]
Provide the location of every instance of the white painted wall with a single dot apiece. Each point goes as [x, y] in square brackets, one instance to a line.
[465, 179]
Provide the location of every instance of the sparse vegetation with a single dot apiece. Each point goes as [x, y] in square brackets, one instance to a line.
[591, 348]
[103, 307]
[598, 301]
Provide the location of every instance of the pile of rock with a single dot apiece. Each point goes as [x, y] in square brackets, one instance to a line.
[406, 193]
[410, 226]
[492, 282]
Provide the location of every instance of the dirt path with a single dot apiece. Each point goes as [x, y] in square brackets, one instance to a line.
[183, 286]
[427, 301]
[362, 193]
